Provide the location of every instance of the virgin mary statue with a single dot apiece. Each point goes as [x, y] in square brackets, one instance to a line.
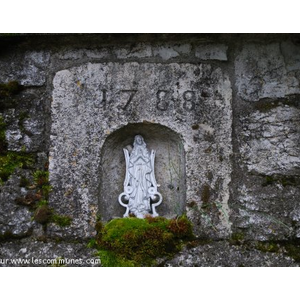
[140, 187]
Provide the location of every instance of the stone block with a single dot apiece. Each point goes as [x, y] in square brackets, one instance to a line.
[28, 68]
[26, 123]
[263, 72]
[166, 52]
[73, 55]
[136, 51]
[222, 254]
[212, 52]
[183, 111]
[269, 141]
[15, 220]
[269, 184]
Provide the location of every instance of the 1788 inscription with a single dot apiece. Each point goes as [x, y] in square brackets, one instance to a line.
[163, 99]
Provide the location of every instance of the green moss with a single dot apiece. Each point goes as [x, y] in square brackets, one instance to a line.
[61, 221]
[13, 160]
[138, 242]
[110, 259]
[41, 181]
[42, 202]
[41, 178]
[293, 251]
[237, 238]
[45, 214]
[267, 246]
[92, 243]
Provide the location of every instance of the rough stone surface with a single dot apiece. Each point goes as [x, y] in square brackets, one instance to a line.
[194, 101]
[28, 68]
[171, 51]
[267, 212]
[270, 141]
[26, 123]
[263, 72]
[15, 220]
[266, 202]
[211, 52]
[137, 51]
[222, 254]
[32, 253]
[230, 125]
[74, 55]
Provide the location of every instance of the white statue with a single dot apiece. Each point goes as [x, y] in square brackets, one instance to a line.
[140, 187]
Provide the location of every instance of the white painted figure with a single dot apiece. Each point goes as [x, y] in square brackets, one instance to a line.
[140, 187]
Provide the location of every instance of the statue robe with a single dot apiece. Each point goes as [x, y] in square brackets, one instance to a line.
[140, 180]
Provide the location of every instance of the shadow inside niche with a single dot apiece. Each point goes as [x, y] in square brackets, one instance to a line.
[169, 168]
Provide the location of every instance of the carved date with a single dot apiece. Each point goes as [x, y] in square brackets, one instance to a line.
[163, 99]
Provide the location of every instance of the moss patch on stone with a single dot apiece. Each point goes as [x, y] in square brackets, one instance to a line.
[41, 181]
[237, 238]
[267, 246]
[44, 214]
[293, 250]
[110, 259]
[37, 201]
[138, 242]
[13, 160]
[60, 220]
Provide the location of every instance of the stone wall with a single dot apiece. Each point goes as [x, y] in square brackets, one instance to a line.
[222, 111]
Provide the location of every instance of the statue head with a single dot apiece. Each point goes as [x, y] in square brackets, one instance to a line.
[138, 140]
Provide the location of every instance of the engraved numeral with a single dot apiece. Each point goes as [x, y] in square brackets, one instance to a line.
[104, 98]
[132, 93]
[162, 96]
[189, 98]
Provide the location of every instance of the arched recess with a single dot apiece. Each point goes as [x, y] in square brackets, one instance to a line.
[169, 168]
